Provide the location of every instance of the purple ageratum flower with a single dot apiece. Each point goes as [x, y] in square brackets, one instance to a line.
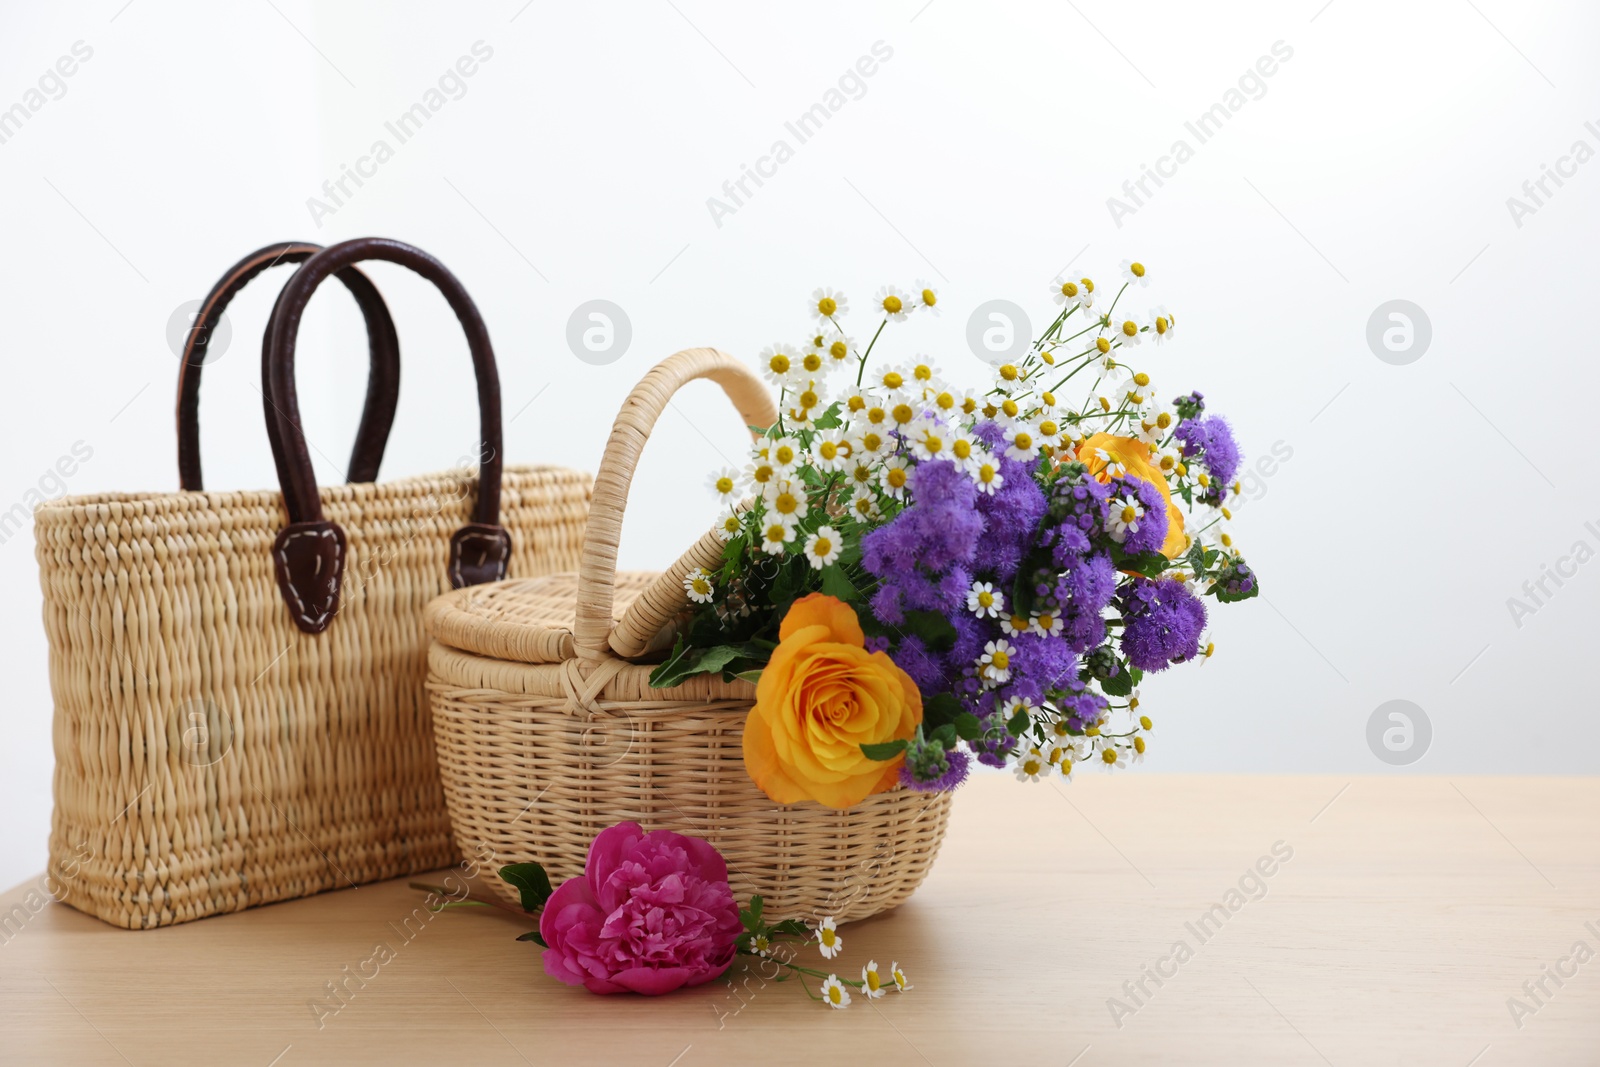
[1151, 532]
[934, 771]
[1211, 440]
[925, 667]
[1082, 593]
[1011, 519]
[1081, 709]
[1162, 623]
[937, 531]
[1039, 664]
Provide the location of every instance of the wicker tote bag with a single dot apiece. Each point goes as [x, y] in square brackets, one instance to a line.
[239, 677]
[548, 730]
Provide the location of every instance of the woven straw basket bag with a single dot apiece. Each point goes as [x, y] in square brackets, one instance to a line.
[240, 677]
[548, 730]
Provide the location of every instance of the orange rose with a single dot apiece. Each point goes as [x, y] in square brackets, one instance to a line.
[820, 698]
[1134, 456]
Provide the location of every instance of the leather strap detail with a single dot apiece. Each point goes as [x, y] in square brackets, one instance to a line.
[383, 382]
[481, 550]
[309, 560]
[478, 554]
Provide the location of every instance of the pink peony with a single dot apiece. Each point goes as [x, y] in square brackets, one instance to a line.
[650, 913]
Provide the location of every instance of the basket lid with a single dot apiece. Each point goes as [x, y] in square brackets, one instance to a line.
[528, 620]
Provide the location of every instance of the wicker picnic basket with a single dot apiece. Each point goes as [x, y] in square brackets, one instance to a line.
[548, 730]
[239, 677]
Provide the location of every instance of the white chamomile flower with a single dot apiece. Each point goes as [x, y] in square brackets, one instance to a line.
[839, 351]
[1048, 425]
[697, 583]
[1066, 291]
[779, 363]
[1157, 422]
[796, 418]
[1012, 705]
[823, 547]
[893, 301]
[966, 451]
[1137, 389]
[761, 944]
[863, 472]
[893, 476]
[812, 362]
[1122, 518]
[924, 376]
[786, 502]
[902, 413]
[924, 297]
[774, 536]
[1124, 328]
[1161, 325]
[928, 439]
[1133, 273]
[784, 454]
[1112, 758]
[873, 413]
[828, 304]
[1065, 750]
[870, 444]
[1086, 292]
[808, 394]
[944, 401]
[985, 473]
[995, 663]
[891, 379]
[1030, 764]
[865, 508]
[834, 994]
[730, 524]
[1139, 747]
[724, 483]
[1168, 461]
[871, 981]
[899, 977]
[984, 601]
[1022, 440]
[1012, 625]
[1108, 466]
[829, 943]
[830, 451]
[760, 473]
[1047, 623]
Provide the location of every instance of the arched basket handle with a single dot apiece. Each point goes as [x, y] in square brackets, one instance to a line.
[597, 568]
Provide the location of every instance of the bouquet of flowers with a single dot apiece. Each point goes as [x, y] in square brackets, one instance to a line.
[917, 575]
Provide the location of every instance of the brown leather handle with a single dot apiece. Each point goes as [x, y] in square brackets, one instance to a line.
[383, 382]
[309, 552]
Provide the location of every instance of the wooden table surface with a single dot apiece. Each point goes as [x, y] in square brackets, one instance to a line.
[1400, 918]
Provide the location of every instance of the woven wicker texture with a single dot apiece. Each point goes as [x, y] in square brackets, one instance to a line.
[209, 755]
[546, 736]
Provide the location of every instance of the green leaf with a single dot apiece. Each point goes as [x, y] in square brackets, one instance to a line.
[1225, 597]
[1119, 684]
[751, 917]
[533, 884]
[791, 926]
[692, 661]
[837, 584]
[935, 630]
[533, 935]
[753, 677]
[887, 750]
[941, 708]
[1018, 723]
[968, 728]
[944, 735]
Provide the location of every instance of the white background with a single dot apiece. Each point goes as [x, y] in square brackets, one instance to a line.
[1376, 166]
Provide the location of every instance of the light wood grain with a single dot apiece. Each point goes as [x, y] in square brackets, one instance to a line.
[1411, 910]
